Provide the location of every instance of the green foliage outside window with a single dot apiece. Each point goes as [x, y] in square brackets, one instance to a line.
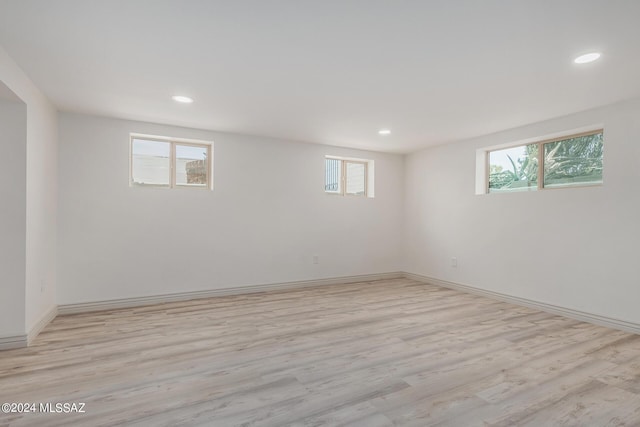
[576, 160]
[572, 161]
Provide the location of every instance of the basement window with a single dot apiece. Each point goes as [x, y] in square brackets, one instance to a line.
[568, 161]
[348, 177]
[169, 163]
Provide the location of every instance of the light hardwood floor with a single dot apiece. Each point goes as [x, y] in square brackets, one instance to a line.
[391, 352]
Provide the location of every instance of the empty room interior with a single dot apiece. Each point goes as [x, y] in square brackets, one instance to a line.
[319, 213]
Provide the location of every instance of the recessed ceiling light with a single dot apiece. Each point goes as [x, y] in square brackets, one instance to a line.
[183, 99]
[589, 57]
[384, 132]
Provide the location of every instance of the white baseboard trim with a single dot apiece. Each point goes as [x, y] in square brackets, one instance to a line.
[42, 323]
[185, 296]
[16, 341]
[21, 341]
[549, 308]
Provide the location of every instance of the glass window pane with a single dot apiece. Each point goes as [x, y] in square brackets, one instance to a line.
[332, 175]
[150, 162]
[514, 169]
[356, 177]
[191, 165]
[573, 161]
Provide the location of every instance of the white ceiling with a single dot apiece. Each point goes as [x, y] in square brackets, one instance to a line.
[7, 94]
[329, 71]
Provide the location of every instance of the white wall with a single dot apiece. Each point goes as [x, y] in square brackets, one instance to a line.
[41, 192]
[13, 207]
[576, 248]
[42, 199]
[265, 220]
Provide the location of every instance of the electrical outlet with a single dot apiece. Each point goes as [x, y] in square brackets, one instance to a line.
[454, 262]
[316, 259]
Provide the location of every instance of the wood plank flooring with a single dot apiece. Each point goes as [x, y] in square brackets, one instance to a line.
[390, 352]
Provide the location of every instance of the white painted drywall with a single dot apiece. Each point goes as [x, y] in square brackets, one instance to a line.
[264, 221]
[13, 207]
[577, 248]
[42, 199]
[41, 192]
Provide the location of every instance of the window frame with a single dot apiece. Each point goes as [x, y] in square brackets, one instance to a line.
[173, 142]
[343, 176]
[540, 184]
